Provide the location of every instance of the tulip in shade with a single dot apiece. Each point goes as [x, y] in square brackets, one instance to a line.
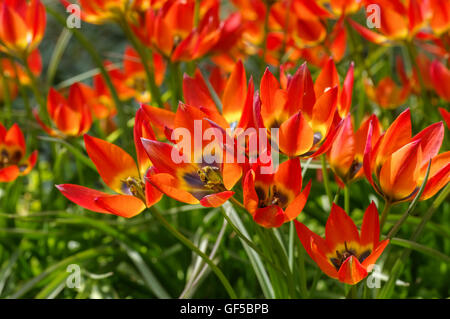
[396, 166]
[345, 254]
[13, 162]
[119, 171]
[22, 26]
[71, 116]
[276, 198]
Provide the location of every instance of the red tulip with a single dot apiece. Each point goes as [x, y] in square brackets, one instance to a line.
[22, 26]
[119, 171]
[276, 197]
[345, 254]
[13, 160]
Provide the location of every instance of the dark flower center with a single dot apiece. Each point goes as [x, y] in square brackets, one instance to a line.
[342, 256]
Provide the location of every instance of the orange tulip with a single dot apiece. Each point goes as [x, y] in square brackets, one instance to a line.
[119, 171]
[192, 177]
[131, 81]
[13, 70]
[13, 160]
[22, 26]
[170, 30]
[440, 17]
[103, 11]
[303, 111]
[347, 151]
[396, 166]
[345, 254]
[399, 20]
[71, 116]
[387, 94]
[275, 198]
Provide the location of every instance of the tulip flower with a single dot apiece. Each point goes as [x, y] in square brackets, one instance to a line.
[13, 160]
[22, 26]
[398, 20]
[347, 151]
[131, 81]
[119, 171]
[440, 76]
[396, 166]
[303, 111]
[103, 11]
[171, 31]
[345, 254]
[196, 172]
[387, 94]
[72, 116]
[13, 70]
[440, 17]
[275, 197]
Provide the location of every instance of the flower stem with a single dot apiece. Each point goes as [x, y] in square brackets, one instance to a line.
[326, 180]
[195, 249]
[385, 213]
[346, 199]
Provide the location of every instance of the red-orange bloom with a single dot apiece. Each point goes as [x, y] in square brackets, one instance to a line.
[22, 26]
[13, 160]
[347, 151]
[103, 11]
[303, 111]
[275, 197]
[194, 172]
[345, 254]
[71, 116]
[171, 31]
[399, 20]
[119, 171]
[15, 71]
[396, 166]
[131, 81]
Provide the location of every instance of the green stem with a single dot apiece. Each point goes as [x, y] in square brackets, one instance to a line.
[326, 180]
[385, 213]
[7, 101]
[346, 199]
[195, 249]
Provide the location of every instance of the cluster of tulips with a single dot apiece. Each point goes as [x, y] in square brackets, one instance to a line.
[314, 116]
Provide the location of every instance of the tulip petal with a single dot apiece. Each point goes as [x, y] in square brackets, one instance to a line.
[351, 271]
[376, 253]
[269, 217]
[340, 228]
[121, 205]
[9, 173]
[370, 229]
[216, 200]
[296, 137]
[113, 164]
[297, 205]
[170, 186]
